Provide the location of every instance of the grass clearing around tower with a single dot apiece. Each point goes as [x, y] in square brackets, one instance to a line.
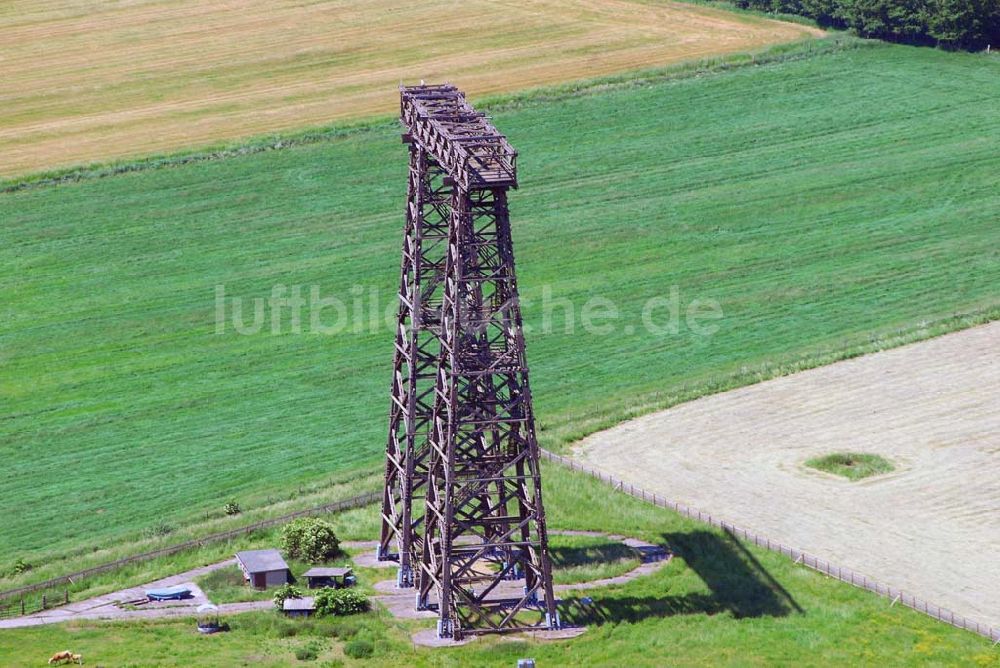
[851, 465]
[587, 558]
[718, 602]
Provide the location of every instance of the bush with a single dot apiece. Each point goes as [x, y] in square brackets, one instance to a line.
[283, 592]
[852, 465]
[310, 539]
[21, 566]
[233, 508]
[345, 628]
[307, 653]
[340, 602]
[287, 630]
[158, 530]
[359, 649]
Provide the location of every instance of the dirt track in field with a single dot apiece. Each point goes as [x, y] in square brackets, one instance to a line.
[932, 527]
[85, 81]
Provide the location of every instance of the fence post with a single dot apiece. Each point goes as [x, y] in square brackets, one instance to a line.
[66, 597]
[44, 603]
[22, 606]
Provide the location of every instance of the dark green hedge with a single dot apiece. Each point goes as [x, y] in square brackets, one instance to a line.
[955, 24]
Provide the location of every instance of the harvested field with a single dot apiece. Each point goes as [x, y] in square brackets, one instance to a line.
[87, 81]
[930, 527]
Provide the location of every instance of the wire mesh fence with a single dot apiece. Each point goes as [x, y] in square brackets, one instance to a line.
[798, 556]
[28, 604]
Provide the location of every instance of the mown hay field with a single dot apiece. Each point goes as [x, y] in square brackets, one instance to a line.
[926, 527]
[85, 81]
[823, 202]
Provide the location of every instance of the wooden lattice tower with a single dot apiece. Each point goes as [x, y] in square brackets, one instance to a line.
[461, 426]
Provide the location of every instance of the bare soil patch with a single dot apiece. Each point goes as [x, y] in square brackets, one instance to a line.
[930, 527]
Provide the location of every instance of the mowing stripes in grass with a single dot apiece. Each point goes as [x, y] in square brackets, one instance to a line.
[819, 202]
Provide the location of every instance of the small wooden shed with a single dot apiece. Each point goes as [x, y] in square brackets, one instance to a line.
[328, 577]
[299, 607]
[263, 568]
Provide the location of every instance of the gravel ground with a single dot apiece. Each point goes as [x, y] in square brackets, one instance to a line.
[931, 527]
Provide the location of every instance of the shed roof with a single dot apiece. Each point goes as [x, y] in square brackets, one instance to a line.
[320, 572]
[259, 561]
[305, 603]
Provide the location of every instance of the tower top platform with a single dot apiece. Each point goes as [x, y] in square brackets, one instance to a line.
[463, 141]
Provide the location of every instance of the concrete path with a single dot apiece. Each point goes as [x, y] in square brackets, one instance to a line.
[400, 602]
[106, 605]
[931, 527]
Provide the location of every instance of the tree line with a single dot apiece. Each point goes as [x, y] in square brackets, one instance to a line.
[952, 24]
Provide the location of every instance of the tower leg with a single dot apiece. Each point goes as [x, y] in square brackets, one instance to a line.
[484, 488]
[415, 356]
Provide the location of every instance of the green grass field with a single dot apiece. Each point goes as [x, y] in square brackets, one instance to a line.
[227, 585]
[824, 202]
[719, 602]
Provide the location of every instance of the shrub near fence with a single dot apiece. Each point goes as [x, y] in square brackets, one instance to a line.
[346, 504]
[800, 557]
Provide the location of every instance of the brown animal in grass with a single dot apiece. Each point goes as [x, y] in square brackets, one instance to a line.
[66, 656]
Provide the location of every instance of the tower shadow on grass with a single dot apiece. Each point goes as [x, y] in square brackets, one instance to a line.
[565, 557]
[737, 584]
